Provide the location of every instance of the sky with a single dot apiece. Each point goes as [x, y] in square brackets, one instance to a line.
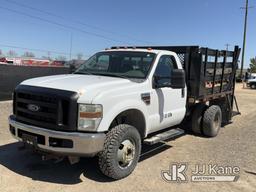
[47, 26]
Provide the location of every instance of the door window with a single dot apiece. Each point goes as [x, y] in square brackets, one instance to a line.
[164, 68]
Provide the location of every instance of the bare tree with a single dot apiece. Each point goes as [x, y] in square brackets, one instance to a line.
[12, 53]
[1, 53]
[61, 58]
[46, 57]
[28, 54]
[80, 56]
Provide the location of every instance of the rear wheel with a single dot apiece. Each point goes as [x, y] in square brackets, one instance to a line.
[197, 117]
[121, 151]
[212, 121]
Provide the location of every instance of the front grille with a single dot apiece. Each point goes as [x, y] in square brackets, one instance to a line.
[45, 107]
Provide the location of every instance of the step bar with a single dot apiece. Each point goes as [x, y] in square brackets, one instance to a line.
[167, 135]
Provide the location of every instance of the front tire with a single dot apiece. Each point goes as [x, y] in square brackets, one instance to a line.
[121, 151]
[253, 86]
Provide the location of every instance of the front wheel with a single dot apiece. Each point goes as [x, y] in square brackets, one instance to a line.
[253, 86]
[121, 152]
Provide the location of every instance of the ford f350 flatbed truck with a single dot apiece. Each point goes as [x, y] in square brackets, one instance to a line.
[123, 97]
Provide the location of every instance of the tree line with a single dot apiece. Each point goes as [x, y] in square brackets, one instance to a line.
[29, 54]
[253, 65]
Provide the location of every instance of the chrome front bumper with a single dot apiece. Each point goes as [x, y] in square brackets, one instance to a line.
[83, 144]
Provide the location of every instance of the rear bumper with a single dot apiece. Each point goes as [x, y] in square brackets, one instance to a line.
[80, 144]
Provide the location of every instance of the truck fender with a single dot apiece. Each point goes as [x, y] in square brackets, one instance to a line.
[118, 109]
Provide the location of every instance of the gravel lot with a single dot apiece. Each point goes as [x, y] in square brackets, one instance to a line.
[23, 170]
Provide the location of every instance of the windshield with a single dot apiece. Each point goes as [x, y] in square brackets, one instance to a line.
[124, 64]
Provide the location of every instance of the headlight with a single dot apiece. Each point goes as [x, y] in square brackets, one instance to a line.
[89, 117]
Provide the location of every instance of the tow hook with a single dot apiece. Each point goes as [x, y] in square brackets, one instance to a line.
[73, 159]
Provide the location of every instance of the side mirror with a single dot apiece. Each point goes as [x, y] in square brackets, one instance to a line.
[178, 79]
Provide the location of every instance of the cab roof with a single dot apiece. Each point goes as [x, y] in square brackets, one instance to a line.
[149, 50]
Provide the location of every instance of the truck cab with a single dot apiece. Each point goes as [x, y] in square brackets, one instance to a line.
[109, 106]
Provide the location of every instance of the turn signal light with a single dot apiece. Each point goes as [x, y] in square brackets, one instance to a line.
[90, 114]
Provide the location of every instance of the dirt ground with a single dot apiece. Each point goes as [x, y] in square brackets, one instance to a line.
[22, 170]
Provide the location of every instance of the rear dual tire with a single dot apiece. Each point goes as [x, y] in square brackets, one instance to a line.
[197, 117]
[206, 120]
[212, 121]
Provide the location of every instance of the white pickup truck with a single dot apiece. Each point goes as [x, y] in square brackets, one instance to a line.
[251, 82]
[123, 97]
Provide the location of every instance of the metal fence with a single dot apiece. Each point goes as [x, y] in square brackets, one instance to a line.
[12, 75]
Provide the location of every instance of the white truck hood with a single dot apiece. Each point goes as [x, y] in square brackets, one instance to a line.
[87, 85]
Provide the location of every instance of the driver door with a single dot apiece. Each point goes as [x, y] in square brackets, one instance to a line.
[169, 103]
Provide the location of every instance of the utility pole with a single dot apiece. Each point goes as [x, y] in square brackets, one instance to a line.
[227, 45]
[49, 58]
[244, 40]
[71, 43]
[49, 55]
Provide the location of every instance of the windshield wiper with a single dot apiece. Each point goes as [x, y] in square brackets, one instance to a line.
[112, 75]
[83, 73]
[103, 74]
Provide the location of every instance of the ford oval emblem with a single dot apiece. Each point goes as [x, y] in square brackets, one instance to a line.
[33, 107]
